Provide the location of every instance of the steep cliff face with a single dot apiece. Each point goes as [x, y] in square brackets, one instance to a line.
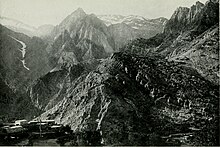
[198, 44]
[199, 17]
[191, 35]
[136, 100]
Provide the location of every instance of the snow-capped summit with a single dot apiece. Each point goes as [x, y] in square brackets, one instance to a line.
[134, 21]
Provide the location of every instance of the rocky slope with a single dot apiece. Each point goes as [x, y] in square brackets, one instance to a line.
[191, 35]
[50, 89]
[134, 100]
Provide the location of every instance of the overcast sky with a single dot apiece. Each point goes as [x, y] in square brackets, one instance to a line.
[39, 12]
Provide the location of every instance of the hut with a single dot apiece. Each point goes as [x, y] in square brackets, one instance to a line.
[21, 122]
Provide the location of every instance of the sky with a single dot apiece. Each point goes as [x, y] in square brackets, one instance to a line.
[40, 12]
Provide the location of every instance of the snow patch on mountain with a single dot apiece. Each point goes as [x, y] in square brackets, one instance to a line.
[23, 51]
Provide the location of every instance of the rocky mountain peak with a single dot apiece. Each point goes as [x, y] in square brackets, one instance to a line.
[79, 11]
[198, 6]
[199, 16]
[180, 13]
[198, 3]
[70, 20]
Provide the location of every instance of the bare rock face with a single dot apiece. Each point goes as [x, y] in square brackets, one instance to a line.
[190, 37]
[133, 100]
[199, 17]
[183, 18]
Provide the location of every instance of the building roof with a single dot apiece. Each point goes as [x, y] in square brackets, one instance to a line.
[41, 123]
[5, 127]
[48, 120]
[23, 120]
[55, 126]
[33, 121]
[16, 127]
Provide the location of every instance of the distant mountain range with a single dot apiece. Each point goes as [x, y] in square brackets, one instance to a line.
[134, 21]
[21, 27]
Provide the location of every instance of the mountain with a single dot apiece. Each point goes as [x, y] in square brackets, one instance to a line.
[136, 100]
[198, 17]
[189, 37]
[80, 37]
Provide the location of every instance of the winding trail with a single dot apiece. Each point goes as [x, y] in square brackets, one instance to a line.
[23, 51]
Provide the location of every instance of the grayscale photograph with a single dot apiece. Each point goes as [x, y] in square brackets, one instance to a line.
[109, 73]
